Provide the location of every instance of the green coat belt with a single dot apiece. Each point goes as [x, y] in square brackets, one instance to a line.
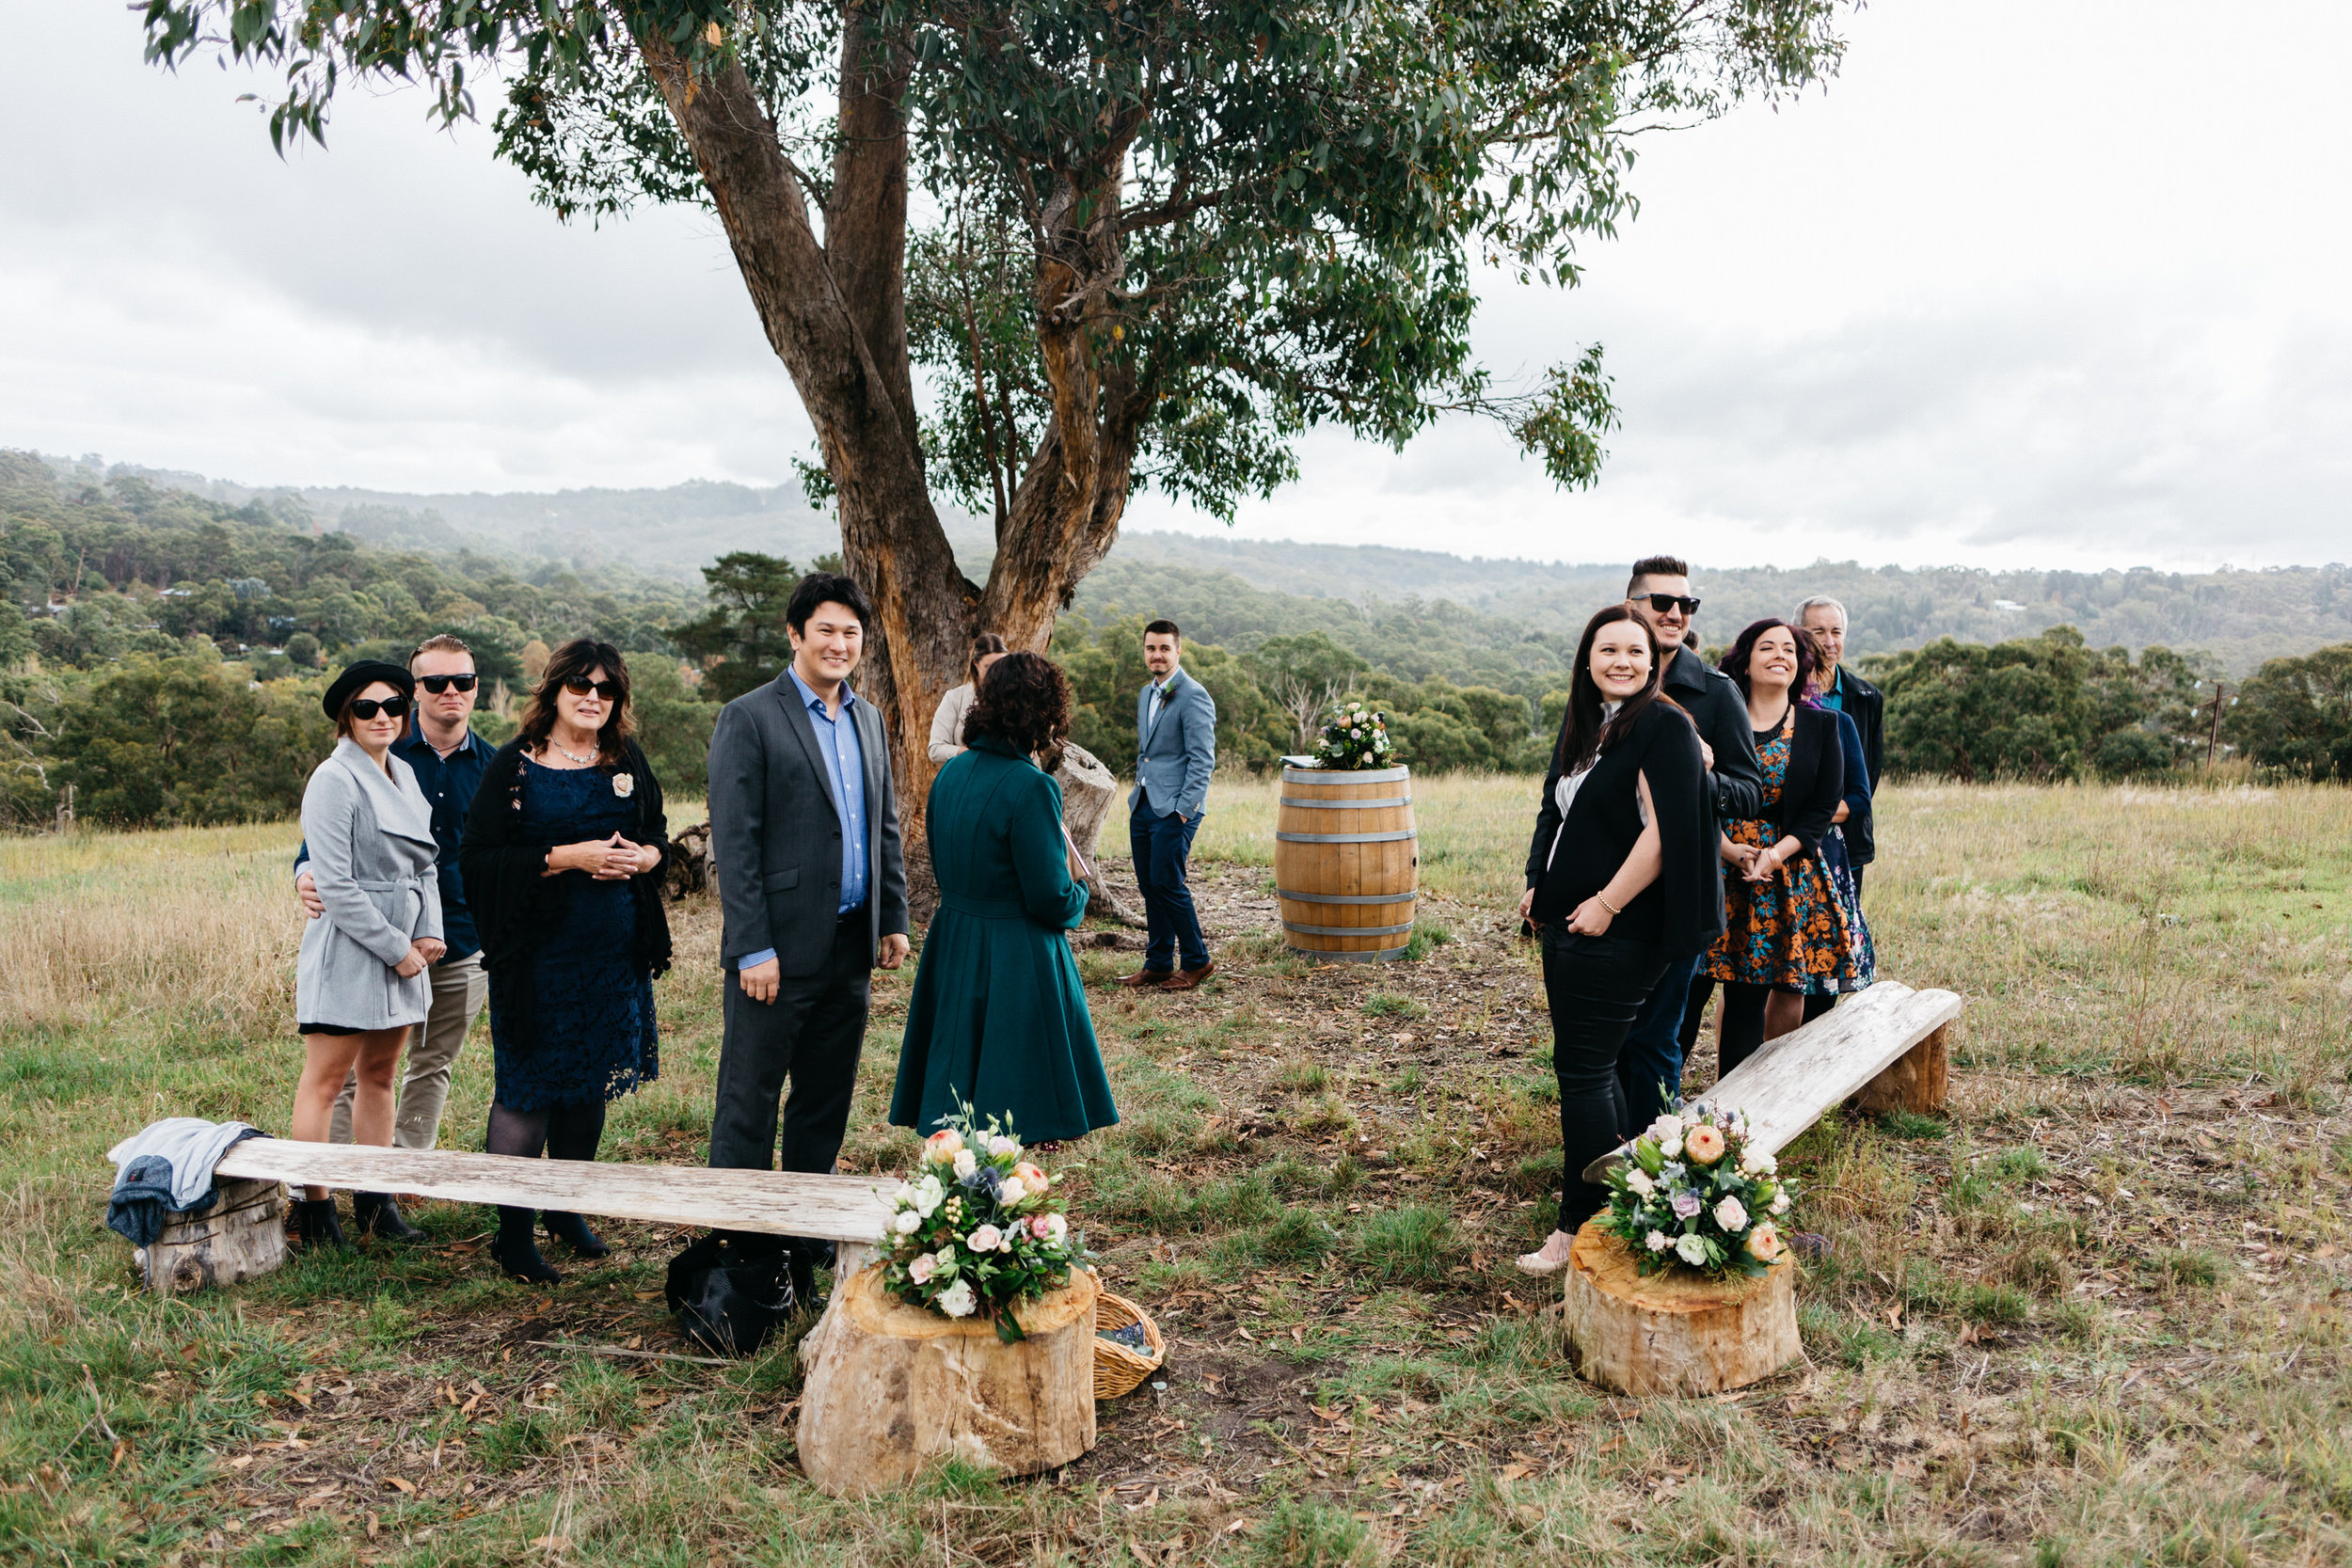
[998, 1017]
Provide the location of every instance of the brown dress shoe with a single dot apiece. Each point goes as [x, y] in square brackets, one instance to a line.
[1145, 977]
[1185, 979]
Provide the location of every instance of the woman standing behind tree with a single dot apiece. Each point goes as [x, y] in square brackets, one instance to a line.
[359, 982]
[1619, 879]
[563, 862]
[1786, 933]
[998, 1017]
[947, 723]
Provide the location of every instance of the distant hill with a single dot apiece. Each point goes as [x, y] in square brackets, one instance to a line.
[1239, 591]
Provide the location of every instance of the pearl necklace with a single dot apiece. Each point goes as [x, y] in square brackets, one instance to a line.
[576, 759]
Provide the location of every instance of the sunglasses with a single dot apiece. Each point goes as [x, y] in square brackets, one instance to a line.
[1664, 602]
[579, 686]
[438, 684]
[391, 708]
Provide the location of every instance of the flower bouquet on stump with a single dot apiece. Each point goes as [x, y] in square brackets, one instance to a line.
[971, 1337]
[1681, 1284]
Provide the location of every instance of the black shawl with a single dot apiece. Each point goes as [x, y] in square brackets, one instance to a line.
[1682, 910]
[514, 904]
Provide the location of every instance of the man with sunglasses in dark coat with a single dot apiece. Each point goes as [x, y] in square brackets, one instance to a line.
[1658, 593]
[448, 759]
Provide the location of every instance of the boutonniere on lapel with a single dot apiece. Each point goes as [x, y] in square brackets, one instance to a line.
[623, 784]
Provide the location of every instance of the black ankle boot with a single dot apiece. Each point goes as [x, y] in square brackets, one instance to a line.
[315, 1225]
[378, 1214]
[517, 1253]
[573, 1232]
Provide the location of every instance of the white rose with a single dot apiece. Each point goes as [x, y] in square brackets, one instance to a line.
[1638, 1180]
[1731, 1214]
[904, 1196]
[1758, 1165]
[1002, 1145]
[907, 1222]
[1010, 1191]
[1693, 1250]
[1667, 1126]
[623, 784]
[956, 1300]
[929, 1195]
[1672, 1148]
[1658, 1241]
[1780, 1203]
[1060, 1225]
[965, 1164]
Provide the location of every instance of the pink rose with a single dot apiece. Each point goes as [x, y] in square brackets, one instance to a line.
[1040, 1226]
[921, 1268]
[985, 1239]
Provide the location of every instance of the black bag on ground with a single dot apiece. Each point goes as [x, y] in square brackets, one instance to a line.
[730, 1291]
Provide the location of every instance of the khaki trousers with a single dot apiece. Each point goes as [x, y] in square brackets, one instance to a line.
[459, 989]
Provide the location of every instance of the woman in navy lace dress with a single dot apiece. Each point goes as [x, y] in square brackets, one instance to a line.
[567, 840]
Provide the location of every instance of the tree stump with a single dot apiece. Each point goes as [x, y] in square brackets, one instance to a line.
[1088, 790]
[1919, 1080]
[893, 1389]
[1678, 1331]
[241, 1237]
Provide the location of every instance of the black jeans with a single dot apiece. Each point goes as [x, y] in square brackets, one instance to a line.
[1740, 1034]
[1596, 985]
[811, 1033]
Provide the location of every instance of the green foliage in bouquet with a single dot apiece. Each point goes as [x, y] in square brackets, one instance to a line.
[974, 1231]
[1356, 738]
[1693, 1196]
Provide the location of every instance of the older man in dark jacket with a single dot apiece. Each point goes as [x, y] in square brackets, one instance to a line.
[812, 890]
[1826, 618]
[1659, 592]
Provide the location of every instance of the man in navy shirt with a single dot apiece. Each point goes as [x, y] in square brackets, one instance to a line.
[449, 759]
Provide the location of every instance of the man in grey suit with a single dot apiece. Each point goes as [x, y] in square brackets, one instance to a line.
[1175, 753]
[812, 890]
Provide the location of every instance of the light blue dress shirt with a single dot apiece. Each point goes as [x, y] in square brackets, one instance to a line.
[844, 763]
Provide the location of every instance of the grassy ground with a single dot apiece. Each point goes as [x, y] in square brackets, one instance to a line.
[2096, 1316]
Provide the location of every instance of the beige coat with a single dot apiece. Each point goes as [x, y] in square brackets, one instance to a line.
[947, 723]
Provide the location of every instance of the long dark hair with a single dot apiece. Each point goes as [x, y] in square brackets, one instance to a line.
[580, 656]
[983, 644]
[1023, 701]
[1742, 652]
[1582, 734]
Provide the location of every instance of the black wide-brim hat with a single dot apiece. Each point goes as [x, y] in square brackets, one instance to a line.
[356, 678]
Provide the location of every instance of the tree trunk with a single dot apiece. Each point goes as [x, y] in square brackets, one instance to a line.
[1089, 791]
[835, 313]
[893, 1389]
[1676, 1331]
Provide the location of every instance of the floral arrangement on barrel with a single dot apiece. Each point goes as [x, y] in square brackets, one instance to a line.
[1693, 1194]
[977, 1230]
[1356, 738]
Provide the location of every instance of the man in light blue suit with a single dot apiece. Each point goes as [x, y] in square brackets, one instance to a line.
[1175, 753]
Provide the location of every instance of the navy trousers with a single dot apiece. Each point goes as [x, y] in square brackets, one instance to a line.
[1652, 1054]
[1160, 845]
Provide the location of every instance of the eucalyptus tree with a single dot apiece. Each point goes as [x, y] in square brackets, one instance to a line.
[1128, 242]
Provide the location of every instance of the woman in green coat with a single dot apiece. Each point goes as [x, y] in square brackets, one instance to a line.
[998, 1017]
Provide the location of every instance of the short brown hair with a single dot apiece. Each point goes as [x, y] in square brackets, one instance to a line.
[1166, 628]
[577, 657]
[1656, 566]
[983, 644]
[439, 643]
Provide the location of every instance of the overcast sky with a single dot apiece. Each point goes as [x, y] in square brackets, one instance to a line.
[2055, 283]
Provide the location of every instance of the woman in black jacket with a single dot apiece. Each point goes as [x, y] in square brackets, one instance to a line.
[1786, 935]
[1619, 880]
[562, 859]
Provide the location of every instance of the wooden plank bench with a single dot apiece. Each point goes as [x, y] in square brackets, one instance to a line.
[850, 1211]
[1885, 1046]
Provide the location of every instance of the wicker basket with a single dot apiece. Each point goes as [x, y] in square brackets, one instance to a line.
[1117, 1369]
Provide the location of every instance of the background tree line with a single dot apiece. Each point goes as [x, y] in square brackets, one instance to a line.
[161, 654]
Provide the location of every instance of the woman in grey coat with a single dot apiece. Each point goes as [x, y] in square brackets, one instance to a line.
[360, 980]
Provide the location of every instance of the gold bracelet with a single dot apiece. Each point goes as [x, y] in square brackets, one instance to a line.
[1607, 905]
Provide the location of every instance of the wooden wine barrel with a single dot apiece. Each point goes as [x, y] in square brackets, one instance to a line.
[1347, 862]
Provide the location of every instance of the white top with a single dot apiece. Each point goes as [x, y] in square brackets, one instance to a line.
[1564, 791]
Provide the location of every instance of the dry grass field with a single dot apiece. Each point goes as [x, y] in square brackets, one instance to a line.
[2096, 1316]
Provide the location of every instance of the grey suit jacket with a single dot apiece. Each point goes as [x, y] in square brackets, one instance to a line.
[372, 854]
[1175, 757]
[775, 831]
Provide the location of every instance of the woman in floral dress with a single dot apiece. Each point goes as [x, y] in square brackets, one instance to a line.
[1787, 933]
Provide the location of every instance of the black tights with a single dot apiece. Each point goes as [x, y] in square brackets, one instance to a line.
[1742, 1029]
[559, 1132]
